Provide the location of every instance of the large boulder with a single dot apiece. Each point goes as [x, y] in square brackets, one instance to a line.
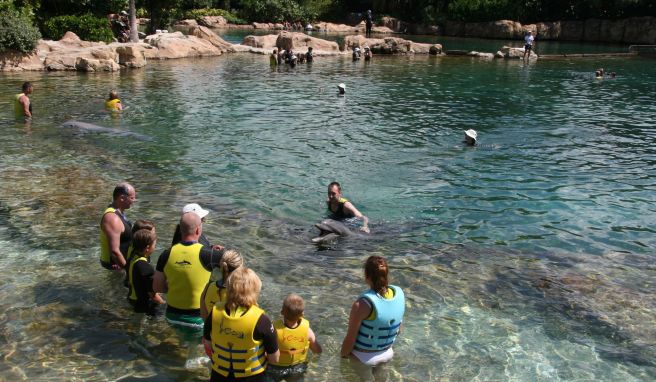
[93, 65]
[592, 30]
[177, 45]
[548, 31]
[262, 25]
[330, 27]
[206, 34]
[187, 23]
[572, 30]
[18, 61]
[390, 45]
[213, 21]
[501, 29]
[392, 23]
[454, 28]
[640, 30]
[612, 31]
[508, 52]
[131, 56]
[294, 40]
[266, 41]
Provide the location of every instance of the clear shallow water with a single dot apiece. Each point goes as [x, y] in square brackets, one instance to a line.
[529, 257]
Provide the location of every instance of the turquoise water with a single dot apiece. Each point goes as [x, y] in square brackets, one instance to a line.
[528, 257]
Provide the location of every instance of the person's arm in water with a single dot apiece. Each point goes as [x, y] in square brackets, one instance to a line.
[359, 311]
[113, 228]
[118, 106]
[159, 283]
[348, 206]
[314, 344]
[25, 103]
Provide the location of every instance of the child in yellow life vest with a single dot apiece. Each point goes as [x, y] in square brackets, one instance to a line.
[295, 337]
[113, 103]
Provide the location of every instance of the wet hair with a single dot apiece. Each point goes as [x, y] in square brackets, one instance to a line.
[339, 187]
[141, 240]
[121, 189]
[275, 51]
[113, 94]
[243, 288]
[26, 85]
[375, 269]
[142, 224]
[293, 307]
[230, 261]
[189, 222]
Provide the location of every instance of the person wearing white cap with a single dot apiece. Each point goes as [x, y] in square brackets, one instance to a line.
[198, 210]
[356, 53]
[470, 137]
[341, 88]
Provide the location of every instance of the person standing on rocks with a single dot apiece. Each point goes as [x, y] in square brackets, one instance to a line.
[528, 44]
[22, 104]
[369, 22]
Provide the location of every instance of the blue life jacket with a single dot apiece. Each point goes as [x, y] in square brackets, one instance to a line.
[380, 333]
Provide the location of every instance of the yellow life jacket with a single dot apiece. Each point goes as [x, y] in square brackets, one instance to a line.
[292, 343]
[133, 292]
[214, 294]
[125, 239]
[18, 108]
[185, 276]
[110, 104]
[234, 348]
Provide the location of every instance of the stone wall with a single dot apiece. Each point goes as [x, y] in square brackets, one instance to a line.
[635, 30]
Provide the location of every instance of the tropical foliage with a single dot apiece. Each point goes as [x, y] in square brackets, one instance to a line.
[17, 31]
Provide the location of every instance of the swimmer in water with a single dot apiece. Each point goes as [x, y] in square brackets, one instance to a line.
[341, 89]
[470, 137]
[22, 104]
[113, 103]
[341, 208]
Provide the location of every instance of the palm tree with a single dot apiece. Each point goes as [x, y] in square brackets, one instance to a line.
[134, 35]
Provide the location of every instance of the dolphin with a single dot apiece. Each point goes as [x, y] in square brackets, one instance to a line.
[90, 127]
[330, 230]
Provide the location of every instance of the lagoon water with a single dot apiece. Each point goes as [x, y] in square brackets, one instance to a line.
[527, 258]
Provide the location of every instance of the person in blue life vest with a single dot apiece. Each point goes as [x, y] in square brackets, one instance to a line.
[22, 103]
[216, 290]
[295, 338]
[116, 229]
[140, 272]
[341, 208]
[374, 323]
[238, 336]
[182, 273]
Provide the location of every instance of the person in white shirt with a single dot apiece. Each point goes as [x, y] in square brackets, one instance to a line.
[528, 45]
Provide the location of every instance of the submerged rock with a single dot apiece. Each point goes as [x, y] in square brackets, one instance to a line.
[390, 45]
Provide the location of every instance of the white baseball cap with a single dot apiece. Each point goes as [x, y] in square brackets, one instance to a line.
[195, 208]
[342, 86]
[471, 133]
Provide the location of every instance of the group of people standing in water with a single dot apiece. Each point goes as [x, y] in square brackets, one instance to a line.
[211, 294]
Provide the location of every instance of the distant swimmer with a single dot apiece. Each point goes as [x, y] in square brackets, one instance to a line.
[115, 229]
[367, 53]
[22, 103]
[273, 58]
[470, 137]
[341, 89]
[356, 53]
[341, 208]
[113, 103]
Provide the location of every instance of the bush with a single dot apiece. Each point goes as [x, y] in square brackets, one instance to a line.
[87, 27]
[275, 11]
[17, 32]
[196, 14]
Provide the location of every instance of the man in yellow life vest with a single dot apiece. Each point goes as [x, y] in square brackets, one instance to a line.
[22, 104]
[115, 229]
[182, 273]
[295, 338]
[113, 103]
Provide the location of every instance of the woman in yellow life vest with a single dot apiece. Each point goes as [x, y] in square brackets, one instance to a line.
[217, 291]
[374, 323]
[113, 103]
[238, 336]
[295, 337]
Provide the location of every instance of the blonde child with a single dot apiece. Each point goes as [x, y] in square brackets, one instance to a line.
[295, 337]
